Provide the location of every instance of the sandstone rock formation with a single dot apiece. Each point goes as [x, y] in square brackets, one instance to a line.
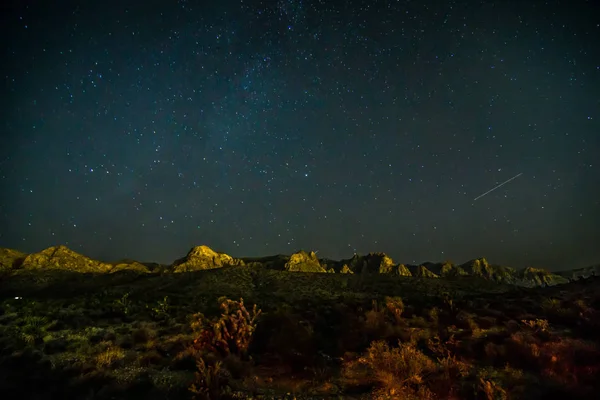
[402, 270]
[63, 258]
[304, 262]
[130, 266]
[202, 258]
[422, 272]
[10, 260]
[372, 263]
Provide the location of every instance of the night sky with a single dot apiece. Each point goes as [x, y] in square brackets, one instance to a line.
[138, 129]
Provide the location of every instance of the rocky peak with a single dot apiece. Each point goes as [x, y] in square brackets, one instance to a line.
[449, 269]
[371, 263]
[478, 267]
[202, 258]
[423, 272]
[402, 270]
[10, 260]
[63, 258]
[304, 262]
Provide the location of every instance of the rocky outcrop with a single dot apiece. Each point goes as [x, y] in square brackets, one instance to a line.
[10, 260]
[203, 258]
[346, 270]
[130, 266]
[372, 263]
[13, 262]
[422, 272]
[478, 267]
[532, 277]
[450, 270]
[65, 259]
[304, 262]
[402, 270]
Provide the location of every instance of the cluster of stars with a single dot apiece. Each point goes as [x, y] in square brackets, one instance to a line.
[266, 127]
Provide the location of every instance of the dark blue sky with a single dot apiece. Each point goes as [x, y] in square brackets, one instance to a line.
[140, 129]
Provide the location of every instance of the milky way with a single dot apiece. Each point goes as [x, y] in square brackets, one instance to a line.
[140, 129]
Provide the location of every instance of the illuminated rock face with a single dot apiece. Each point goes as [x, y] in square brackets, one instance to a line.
[202, 258]
[423, 272]
[304, 262]
[63, 258]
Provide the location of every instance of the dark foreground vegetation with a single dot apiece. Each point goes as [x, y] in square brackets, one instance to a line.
[252, 332]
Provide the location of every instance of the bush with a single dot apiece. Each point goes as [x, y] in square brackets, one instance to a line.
[399, 371]
[231, 333]
[209, 381]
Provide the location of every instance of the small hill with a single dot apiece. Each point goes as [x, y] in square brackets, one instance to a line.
[203, 258]
[64, 259]
[304, 262]
[532, 277]
[139, 266]
[445, 269]
[130, 265]
[450, 270]
[478, 267]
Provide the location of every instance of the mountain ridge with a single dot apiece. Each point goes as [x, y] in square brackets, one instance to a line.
[202, 257]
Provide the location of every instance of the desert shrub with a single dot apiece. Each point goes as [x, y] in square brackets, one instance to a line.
[537, 325]
[124, 304]
[569, 362]
[451, 370]
[587, 322]
[209, 381]
[142, 334]
[384, 319]
[434, 315]
[110, 357]
[160, 310]
[522, 349]
[449, 306]
[399, 371]
[374, 322]
[231, 333]
[395, 307]
[438, 346]
[491, 390]
[30, 330]
[447, 383]
[495, 353]
[227, 337]
[555, 310]
[465, 320]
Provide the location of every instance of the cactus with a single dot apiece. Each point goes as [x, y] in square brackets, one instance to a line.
[231, 333]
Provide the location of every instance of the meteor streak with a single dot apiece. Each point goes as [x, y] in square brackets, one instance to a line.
[494, 188]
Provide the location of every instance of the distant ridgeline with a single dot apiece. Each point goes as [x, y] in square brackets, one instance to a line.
[13, 262]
